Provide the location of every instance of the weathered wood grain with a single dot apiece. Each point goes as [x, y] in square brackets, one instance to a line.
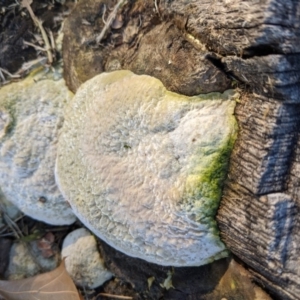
[165, 53]
[264, 232]
[244, 28]
[144, 44]
[257, 43]
[259, 212]
[262, 154]
[277, 76]
[293, 182]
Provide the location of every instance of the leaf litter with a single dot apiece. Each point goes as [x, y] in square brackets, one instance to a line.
[54, 285]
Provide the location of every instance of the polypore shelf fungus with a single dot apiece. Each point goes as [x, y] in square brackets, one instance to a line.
[143, 167]
[31, 115]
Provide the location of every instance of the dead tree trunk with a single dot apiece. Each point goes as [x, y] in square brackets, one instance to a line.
[257, 43]
[190, 42]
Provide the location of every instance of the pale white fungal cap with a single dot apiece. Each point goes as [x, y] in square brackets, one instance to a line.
[143, 167]
[31, 115]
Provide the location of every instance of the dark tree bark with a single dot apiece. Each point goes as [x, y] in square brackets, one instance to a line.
[241, 28]
[257, 43]
[262, 154]
[144, 44]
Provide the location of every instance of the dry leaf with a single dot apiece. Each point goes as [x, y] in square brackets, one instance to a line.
[54, 285]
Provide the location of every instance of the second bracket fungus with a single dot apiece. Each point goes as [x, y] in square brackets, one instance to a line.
[31, 116]
[143, 167]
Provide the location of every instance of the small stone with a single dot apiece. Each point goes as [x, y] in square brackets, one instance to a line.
[26, 261]
[83, 261]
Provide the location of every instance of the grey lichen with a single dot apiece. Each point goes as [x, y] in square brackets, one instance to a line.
[143, 167]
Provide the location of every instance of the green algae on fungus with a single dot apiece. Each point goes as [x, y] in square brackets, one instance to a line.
[204, 184]
[143, 167]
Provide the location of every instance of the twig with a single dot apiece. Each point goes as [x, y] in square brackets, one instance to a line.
[28, 66]
[19, 234]
[52, 40]
[6, 226]
[109, 20]
[103, 14]
[35, 46]
[156, 8]
[10, 234]
[1, 75]
[26, 3]
[10, 223]
[114, 296]
[8, 73]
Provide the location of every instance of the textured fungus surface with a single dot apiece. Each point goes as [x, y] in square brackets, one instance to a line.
[143, 167]
[31, 114]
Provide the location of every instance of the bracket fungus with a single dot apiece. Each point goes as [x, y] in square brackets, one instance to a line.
[143, 167]
[31, 115]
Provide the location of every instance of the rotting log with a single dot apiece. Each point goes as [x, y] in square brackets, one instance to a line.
[259, 213]
[276, 76]
[264, 232]
[256, 43]
[243, 28]
[261, 157]
[142, 42]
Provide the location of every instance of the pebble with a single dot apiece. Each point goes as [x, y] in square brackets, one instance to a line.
[82, 259]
